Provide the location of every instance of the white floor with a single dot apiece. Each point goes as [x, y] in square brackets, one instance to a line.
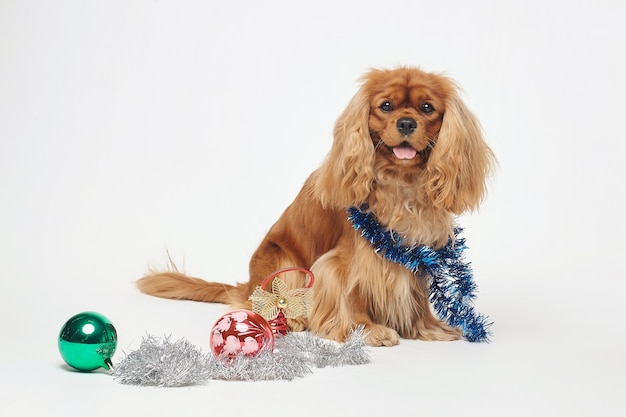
[543, 361]
[133, 129]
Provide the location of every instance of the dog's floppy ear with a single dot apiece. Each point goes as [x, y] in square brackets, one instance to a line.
[344, 179]
[460, 161]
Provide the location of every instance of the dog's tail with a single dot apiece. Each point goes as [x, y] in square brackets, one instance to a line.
[178, 286]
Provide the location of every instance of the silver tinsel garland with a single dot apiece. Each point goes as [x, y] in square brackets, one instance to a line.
[161, 362]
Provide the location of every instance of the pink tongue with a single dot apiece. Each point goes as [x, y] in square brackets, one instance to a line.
[404, 152]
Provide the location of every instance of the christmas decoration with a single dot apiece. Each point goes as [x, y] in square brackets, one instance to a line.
[161, 362]
[451, 286]
[87, 341]
[282, 303]
[240, 332]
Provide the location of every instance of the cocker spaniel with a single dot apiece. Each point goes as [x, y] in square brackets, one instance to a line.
[407, 150]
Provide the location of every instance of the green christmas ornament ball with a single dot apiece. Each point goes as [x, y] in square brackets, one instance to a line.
[87, 341]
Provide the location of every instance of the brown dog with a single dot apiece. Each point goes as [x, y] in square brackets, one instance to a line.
[407, 149]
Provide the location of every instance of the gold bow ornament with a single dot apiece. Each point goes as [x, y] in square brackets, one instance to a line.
[282, 303]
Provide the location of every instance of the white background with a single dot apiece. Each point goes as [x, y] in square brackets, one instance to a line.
[132, 128]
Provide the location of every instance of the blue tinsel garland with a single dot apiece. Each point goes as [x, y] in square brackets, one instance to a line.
[452, 286]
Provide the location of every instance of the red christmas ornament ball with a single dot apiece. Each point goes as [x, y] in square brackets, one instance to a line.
[240, 332]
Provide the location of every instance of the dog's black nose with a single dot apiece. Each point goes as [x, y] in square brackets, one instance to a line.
[406, 125]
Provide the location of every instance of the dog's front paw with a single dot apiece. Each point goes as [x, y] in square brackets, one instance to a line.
[378, 335]
[439, 331]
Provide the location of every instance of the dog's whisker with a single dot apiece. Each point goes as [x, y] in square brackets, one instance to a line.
[432, 139]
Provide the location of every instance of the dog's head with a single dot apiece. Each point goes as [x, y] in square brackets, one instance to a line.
[406, 110]
[410, 122]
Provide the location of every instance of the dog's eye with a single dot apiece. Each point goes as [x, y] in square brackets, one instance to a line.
[427, 108]
[386, 106]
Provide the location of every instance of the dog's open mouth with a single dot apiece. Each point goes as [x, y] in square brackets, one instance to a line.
[404, 151]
